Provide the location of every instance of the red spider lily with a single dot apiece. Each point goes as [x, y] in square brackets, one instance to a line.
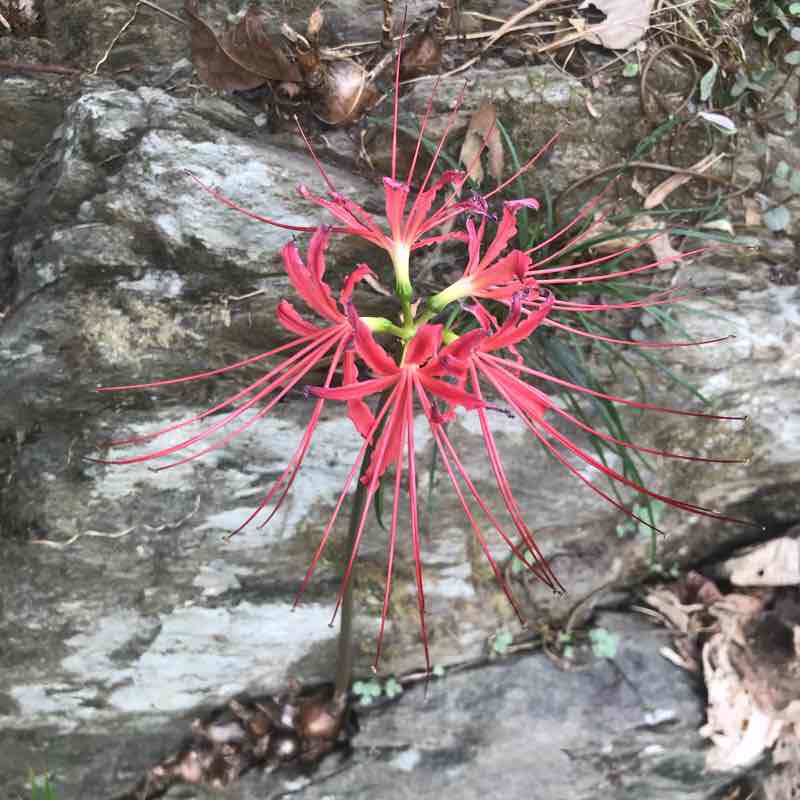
[443, 369]
[312, 346]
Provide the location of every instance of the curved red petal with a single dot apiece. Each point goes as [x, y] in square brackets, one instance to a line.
[371, 353]
[424, 345]
[290, 319]
[358, 411]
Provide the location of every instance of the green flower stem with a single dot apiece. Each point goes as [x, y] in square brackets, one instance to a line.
[402, 282]
[383, 325]
[456, 291]
[345, 648]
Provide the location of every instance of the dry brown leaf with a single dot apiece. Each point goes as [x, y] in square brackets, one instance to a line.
[593, 112]
[422, 56]
[670, 607]
[625, 23]
[738, 728]
[752, 212]
[244, 57]
[659, 245]
[667, 187]
[775, 563]
[483, 130]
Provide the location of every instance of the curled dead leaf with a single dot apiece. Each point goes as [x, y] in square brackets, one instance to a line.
[625, 23]
[667, 187]
[482, 131]
[422, 56]
[752, 212]
[346, 93]
[244, 57]
[774, 563]
[659, 244]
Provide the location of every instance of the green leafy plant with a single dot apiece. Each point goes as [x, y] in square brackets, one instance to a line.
[565, 640]
[41, 788]
[369, 691]
[604, 643]
[500, 643]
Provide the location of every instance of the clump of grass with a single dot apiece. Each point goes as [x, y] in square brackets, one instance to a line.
[41, 788]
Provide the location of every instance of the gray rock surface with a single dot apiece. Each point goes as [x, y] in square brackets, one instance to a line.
[520, 726]
[122, 610]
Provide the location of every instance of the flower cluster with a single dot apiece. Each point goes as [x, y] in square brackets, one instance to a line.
[454, 352]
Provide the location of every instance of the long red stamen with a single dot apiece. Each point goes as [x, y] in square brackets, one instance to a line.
[393, 430]
[513, 365]
[661, 262]
[423, 125]
[525, 167]
[343, 494]
[633, 342]
[413, 507]
[217, 195]
[292, 469]
[325, 177]
[281, 368]
[290, 380]
[505, 489]
[387, 591]
[537, 270]
[575, 220]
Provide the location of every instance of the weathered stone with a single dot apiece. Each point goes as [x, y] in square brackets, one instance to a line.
[123, 610]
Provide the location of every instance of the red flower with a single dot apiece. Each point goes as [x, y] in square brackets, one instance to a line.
[443, 367]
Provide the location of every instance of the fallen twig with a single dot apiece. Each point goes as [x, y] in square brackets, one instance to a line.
[26, 66]
[114, 41]
[163, 11]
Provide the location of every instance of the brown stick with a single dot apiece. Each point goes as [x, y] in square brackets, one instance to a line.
[25, 66]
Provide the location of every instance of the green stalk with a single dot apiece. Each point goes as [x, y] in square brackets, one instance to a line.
[345, 648]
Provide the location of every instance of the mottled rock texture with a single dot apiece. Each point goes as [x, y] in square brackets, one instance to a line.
[135, 614]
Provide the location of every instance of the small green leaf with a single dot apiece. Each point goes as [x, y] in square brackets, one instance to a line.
[502, 641]
[438, 670]
[790, 115]
[776, 219]
[794, 8]
[707, 82]
[794, 182]
[392, 688]
[792, 58]
[795, 33]
[604, 643]
[630, 70]
[367, 691]
[781, 171]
